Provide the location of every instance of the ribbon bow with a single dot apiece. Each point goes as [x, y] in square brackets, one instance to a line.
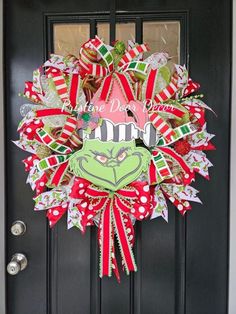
[109, 72]
[114, 210]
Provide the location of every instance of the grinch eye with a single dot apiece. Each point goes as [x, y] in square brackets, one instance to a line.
[102, 159]
[122, 156]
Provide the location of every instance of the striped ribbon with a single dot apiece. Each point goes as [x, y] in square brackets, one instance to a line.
[83, 63]
[169, 110]
[125, 65]
[180, 132]
[161, 165]
[136, 66]
[188, 174]
[74, 90]
[59, 82]
[52, 143]
[162, 126]
[169, 91]
[159, 169]
[98, 70]
[86, 55]
[75, 140]
[51, 162]
[68, 129]
[158, 122]
[106, 55]
[133, 53]
[95, 70]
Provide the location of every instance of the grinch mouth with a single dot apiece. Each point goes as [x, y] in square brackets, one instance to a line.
[116, 182]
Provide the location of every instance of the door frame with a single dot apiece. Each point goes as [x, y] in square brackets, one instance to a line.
[232, 237]
[232, 234]
[2, 176]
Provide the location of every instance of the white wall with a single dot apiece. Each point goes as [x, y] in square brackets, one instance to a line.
[2, 209]
[232, 274]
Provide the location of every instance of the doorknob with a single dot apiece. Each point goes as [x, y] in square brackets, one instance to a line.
[18, 263]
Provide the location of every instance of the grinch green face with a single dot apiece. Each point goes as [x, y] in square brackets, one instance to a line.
[108, 164]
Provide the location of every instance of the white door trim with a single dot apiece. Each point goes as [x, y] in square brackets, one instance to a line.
[2, 175]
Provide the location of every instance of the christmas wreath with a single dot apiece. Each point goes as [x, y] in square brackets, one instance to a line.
[112, 136]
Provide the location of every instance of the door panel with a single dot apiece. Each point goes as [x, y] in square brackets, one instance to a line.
[182, 265]
[163, 36]
[68, 38]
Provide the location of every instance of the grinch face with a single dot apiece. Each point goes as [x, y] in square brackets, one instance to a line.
[108, 164]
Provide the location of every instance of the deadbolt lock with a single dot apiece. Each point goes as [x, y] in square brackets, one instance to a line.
[18, 228]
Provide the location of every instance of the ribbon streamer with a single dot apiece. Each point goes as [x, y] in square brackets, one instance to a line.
[180, 132]
[114, 209]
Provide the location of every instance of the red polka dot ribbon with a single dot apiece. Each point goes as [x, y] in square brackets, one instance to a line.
[114, 210]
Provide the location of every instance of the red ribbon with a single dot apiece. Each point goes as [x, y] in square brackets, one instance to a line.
[29, 162]
[114, 210]
[123, 82]
[108, 72]
[30, 93]
[75, 81]
[188, 173]
[40, 113]
[29, 128]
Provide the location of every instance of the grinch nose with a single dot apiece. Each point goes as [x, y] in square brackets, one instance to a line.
[112, 163]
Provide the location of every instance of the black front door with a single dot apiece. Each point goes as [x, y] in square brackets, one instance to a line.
[182, 265]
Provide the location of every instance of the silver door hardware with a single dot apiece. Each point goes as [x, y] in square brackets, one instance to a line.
[18, 228]
[18, 263]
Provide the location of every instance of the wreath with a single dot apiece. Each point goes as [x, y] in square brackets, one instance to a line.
[112, 136]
